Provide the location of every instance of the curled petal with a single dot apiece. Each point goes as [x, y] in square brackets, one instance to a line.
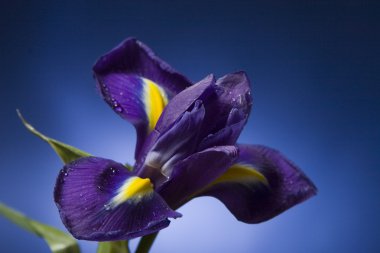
[232, 93]
[173, 145]
[195, 172]
[227, 105]
[137, 84]
[174, 111]
[184, 100]
[99, 199]
[260, 185]
[227, 135]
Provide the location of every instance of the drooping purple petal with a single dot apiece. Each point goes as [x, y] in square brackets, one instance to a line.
[97, 200]
[260, 185]
[137, 85]
[135, 58]
[195, 172]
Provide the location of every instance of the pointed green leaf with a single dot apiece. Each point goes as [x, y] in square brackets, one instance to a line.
[113, 247]
[58, 241]
[66, 152]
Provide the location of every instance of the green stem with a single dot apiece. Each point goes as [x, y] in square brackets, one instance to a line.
[146, 243]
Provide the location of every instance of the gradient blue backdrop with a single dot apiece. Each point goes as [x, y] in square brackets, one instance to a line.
[314, 66]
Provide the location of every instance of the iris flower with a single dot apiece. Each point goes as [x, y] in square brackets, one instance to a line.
[186, 148]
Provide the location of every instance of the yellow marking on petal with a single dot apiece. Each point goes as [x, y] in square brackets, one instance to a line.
[155, 100]
[241, 173]
[134, 188]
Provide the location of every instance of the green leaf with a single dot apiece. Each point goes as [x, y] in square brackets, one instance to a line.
[113, 247]
[58, 241]
[66, 152]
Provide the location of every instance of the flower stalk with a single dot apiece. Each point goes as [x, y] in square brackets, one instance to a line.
[146, 243]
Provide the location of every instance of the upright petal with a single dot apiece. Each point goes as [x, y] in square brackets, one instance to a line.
[184, 100]
[173, 145]
[229, 134]
[99, 199]
[220, 98]
[195, 172]
[174, 111]
[227, 105]
[260, 185]
[232, 93]
[198, 121]
[137, 84]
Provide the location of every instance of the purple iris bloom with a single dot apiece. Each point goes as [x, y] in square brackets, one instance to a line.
[186, 147]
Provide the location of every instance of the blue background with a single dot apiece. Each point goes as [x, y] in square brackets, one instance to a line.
[314, 67]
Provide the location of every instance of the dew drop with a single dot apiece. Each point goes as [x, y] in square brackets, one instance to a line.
[118, 109]
[105, 89]
[107, 207]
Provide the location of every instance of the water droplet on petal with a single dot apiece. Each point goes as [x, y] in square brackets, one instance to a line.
[118, 109]
[107, 207]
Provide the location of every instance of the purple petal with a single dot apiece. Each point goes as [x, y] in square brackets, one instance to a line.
[195, 172]
[137, 85]
[184, 100]
[232, 93]
[132, 57]
[90, 195]
[270, 185]
[181, 103]
[227, 135]
[173, 145]
[227, 106]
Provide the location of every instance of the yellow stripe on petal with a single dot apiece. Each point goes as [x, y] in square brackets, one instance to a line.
[155, 100]
[134, 188]
[242, 173]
